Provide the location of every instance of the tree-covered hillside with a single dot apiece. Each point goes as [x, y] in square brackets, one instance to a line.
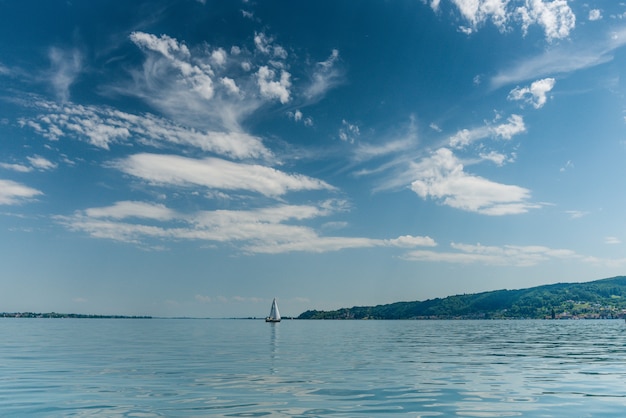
[598, 299]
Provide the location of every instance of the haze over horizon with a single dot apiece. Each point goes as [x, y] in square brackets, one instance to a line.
[198, 158]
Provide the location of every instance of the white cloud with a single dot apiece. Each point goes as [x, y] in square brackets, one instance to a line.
[507, 255]
[66, 66]
[349, 131]
[556, 17]
[20, 168]
[271, 88]
[536, 94]
[408, 241]
[230, 85]
[216, 173]
[130, 209]
[192, 76]
[267, 230]
[218, 57]
[102, 127]
[477, 12]
[612, 240]
[325, 77]
[497, 158]
[569, 164]
[563, 58]
[595, 14]
[41, 163]
[442, 177]
[576, 214]
[513, 126]
[13, 193]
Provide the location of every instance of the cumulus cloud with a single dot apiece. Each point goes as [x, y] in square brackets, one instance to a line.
[215, 173]
[13, 193]
[477, 12]
[535, 94]
[595, 14]
[272, 88]
[556, 17]
[441, 176]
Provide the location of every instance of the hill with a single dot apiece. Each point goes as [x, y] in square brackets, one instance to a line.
[604, 298]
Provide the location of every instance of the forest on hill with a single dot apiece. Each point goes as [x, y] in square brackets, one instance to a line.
[604, 298]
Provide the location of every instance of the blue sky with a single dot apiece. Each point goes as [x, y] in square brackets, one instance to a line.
[198, 158]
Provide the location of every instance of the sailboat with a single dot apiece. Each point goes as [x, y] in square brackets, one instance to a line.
[274, 314]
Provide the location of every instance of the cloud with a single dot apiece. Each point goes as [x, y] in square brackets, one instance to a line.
[612, 240]
[325, 77]
[41, 163]
[564, 58]
[513, 126]
[65, 67]
[556, 17]
[408, 241]
[131, 209]
[13, 193]
[535, 94]
[441, 176]
[193, 76]
[507, 255]
[595, 14]
[215, 173]
[271, 88]
[476, 12]
[349, 131]
[20, 168]
[103, 127]
[267, 230]
[497, 158]
[576, 214]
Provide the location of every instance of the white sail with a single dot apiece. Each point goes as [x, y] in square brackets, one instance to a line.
[274, 314]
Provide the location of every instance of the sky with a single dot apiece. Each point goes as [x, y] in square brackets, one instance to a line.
[199, 158]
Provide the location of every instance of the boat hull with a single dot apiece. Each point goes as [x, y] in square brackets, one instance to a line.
[272, 320]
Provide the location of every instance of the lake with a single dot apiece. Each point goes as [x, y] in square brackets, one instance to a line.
[297, 368]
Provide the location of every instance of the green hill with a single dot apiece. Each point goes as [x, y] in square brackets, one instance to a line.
[597, 299]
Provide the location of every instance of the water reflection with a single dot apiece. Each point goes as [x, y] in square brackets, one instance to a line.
[274, 340]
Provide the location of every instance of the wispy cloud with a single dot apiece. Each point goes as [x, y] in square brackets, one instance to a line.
[66, 65]
[326, 75]
[269, 230]
[215, 173]
[103, 127]
[506, 255]
[13, 193]
[562, 59]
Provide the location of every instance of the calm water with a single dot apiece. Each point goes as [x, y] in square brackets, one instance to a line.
[235, 368]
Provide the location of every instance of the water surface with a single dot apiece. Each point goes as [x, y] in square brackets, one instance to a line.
[235, 368]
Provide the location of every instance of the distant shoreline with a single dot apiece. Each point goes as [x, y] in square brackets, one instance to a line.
[66, 315]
